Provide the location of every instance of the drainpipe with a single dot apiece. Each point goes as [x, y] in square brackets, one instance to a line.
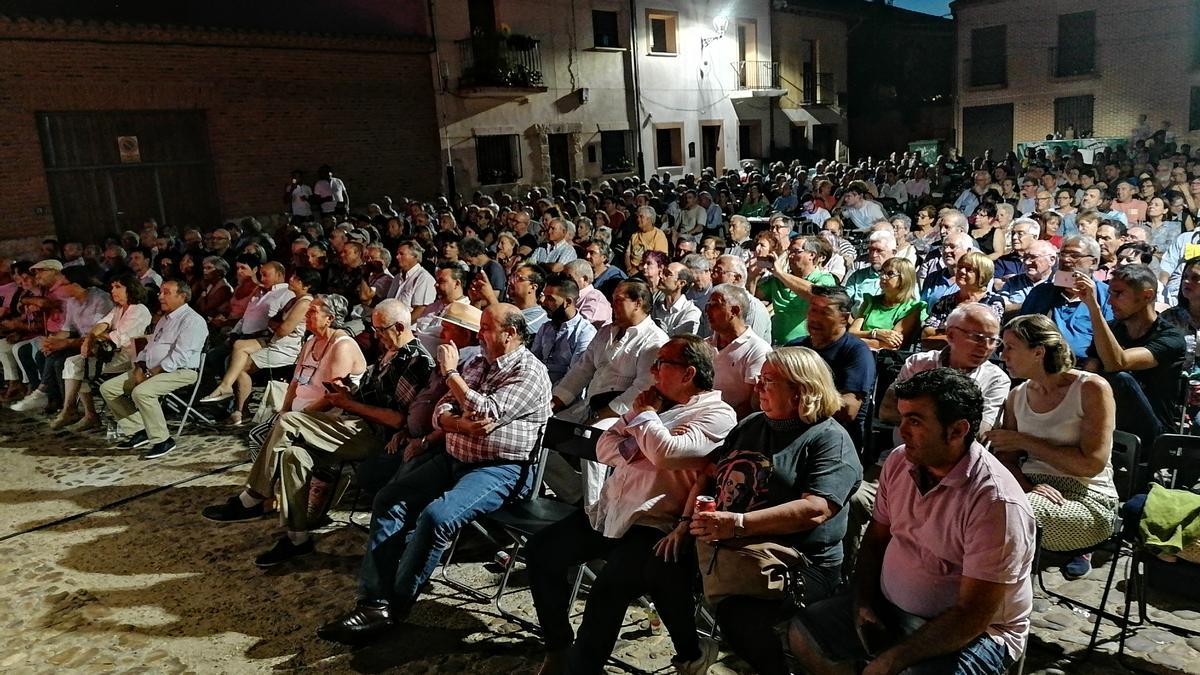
[635, 95]
[451, 182]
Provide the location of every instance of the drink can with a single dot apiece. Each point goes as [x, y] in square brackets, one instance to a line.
[503, 559]
[705, 504]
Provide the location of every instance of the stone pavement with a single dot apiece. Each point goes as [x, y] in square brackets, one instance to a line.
[106, 565]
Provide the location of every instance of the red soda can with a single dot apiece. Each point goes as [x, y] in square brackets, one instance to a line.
[705, 504]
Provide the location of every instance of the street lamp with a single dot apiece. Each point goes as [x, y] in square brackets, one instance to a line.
[720, 25]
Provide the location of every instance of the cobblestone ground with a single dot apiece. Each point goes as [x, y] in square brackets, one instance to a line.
[106, 565]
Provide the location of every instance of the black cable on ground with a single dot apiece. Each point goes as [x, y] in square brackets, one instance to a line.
[120, 502]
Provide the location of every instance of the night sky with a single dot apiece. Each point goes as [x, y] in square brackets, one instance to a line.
[937, 7]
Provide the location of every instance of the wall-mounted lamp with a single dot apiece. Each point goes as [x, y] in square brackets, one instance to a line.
[720, 25]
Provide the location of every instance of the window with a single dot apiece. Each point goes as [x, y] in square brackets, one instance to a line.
[668, 145]
[989, 56]
[662, 31]
[605, 32]
[498, 158]
[1074, 111]
[1194, 110]
[1076, 51]
[614, 152]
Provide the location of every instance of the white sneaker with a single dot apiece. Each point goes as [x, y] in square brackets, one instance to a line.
[700, 666]
[36, 400]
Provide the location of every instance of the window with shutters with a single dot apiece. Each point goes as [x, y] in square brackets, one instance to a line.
[1075, 112]
[1076, 50]
[498, 158]
[989, 57]
[663, 26]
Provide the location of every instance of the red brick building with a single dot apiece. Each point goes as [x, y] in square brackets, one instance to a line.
[108, 118]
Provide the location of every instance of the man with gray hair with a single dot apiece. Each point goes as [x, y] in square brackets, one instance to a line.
[592, 304]
[702, 285]
[307, 445]
[1021, 234]
[1078, 255]
[558, 249]
[950, 222]
[739, 238]
[740, 351]
[731, 269]
[673, 312]
[413, 284]
[881, 246]
[1040, 258]
[940, 282]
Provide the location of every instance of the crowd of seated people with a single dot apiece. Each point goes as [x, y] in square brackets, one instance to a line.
[726, 334]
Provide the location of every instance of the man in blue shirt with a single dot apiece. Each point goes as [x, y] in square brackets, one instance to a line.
[1079, 253]
[562, 340]
[168, 362]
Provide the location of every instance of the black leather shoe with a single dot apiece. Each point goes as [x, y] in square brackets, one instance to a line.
[135, 441]
[232, 510]
[159, 449]
[367, 622]
[283, 551]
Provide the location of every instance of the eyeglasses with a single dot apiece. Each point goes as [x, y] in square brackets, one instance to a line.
[978, 338]
[888, 275]
[659, 363]
[1074, 255]
[1031, 257]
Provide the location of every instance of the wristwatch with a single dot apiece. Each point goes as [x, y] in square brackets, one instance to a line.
[739, 525]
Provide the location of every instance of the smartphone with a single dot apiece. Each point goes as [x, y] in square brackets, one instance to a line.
[1064, 279]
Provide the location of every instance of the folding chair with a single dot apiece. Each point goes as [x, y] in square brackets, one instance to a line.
[1126, 456]
[186, 409]
[524, 518]
[1176, 458]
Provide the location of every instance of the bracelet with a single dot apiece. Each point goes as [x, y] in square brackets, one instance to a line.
[874, 333]
[449, 373]
[685, 519]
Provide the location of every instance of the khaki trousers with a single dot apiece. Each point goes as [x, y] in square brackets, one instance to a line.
[138, 408]
[298, 442]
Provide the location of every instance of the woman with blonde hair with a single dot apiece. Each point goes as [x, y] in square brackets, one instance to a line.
[1063, 463]
[783, 475]
[891, 319]
[973, 275]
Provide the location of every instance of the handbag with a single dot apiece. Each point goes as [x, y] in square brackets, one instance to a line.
[756, 568]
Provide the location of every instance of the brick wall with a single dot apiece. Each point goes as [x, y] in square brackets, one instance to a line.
[273, 102]
[1143, 55]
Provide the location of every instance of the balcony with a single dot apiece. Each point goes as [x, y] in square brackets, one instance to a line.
[757, 79]
[497, 64]
[985, 72]
[1073, 62]
[817, 89]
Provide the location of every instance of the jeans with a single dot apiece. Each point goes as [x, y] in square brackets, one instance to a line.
[749, 623]
[831, 625]
[415, 517]
[631, 570]
[1134, 413]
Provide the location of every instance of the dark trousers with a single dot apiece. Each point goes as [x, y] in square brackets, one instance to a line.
[748, 624]
[1134, 413]
[631, 570]
[31, 359]
[52, 372]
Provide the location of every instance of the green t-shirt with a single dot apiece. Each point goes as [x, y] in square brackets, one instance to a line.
[875, 315]
[790, 321]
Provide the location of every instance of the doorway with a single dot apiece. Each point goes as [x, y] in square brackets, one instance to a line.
[712, 151]
[824, 143]
[987, 127]
[560, 156]
[110, 170]
[749, 70]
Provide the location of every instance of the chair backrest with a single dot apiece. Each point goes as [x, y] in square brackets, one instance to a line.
[1126, 456]
[1179, 456]
[568, 438]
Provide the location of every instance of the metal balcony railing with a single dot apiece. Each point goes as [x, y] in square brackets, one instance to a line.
[818, 89]
[757, 74]
[1073, 62]
[496, 60]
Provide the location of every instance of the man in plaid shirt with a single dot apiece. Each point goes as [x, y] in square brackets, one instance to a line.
[492, 416]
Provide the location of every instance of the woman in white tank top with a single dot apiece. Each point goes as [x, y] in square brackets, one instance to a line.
[1060, 423]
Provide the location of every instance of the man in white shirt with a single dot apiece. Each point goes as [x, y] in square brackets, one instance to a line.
[859, 208]
[893, 188]
[603, 384]
[730, 269]
[657, 450]
[297, 195]
[331, 192]
[413, 285]
[692, 217]
[673, 312]
[558, 250]
[169, 361]
[740, 351]
[141, 261]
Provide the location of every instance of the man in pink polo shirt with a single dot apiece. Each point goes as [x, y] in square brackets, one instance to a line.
[942, 584]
